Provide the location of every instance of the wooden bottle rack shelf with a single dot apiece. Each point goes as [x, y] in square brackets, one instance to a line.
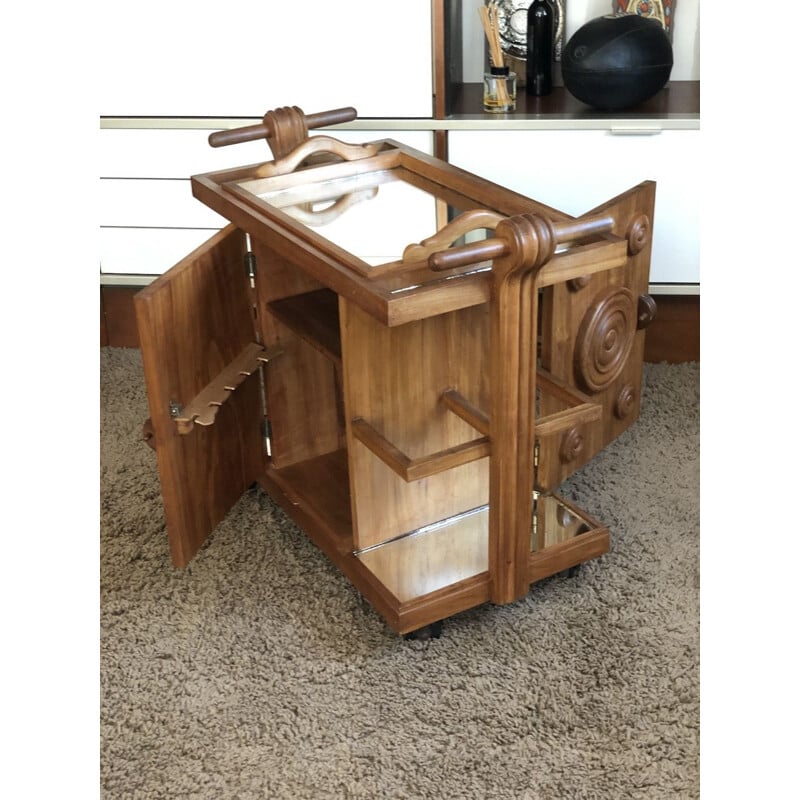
[414, 469]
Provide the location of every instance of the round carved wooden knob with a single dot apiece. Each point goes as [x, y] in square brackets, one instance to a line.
[563, 516]
[576, 284]
[571, 445]
[605, 339]
[646, 311]
[638, 234]
[626, 399]
[149, 434]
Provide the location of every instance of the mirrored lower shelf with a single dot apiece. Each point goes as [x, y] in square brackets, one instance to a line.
[454, 549]
[555, 522]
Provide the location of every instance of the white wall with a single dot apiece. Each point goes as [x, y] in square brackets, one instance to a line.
[239, 58]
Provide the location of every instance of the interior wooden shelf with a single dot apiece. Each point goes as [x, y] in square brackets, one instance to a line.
[314, 317]
[677, 100]
[321, 486]
[414, 469]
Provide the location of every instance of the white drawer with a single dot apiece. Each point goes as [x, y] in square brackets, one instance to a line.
[146, 251]
[574, 171]
[149, 219]
[148, 203]
[181, 153]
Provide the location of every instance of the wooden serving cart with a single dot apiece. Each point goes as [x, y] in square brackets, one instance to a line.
[408, 358]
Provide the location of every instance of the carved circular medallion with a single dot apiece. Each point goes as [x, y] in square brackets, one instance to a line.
[638, 234]
[605, 339]
[571, 445]
[625, 401]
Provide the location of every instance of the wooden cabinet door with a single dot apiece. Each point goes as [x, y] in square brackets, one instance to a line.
[193, 322]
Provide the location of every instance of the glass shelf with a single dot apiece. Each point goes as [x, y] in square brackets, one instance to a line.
[457, 548]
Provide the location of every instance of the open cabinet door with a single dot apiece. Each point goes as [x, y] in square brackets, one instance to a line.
[194, 321]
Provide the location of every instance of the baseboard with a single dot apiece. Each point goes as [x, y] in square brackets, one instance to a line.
[117, 317]
[673, 336]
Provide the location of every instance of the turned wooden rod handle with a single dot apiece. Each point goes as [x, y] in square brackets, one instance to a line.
[259, 131]
[587, 226]
[489, 249]
[237, 135]
[486, 250]
[336, 116]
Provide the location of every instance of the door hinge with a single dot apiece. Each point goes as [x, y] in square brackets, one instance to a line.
[535, 515]
[249, 260]
[266, 433]
[250, 264]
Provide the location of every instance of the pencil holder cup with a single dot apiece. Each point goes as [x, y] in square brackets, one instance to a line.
[499, 90]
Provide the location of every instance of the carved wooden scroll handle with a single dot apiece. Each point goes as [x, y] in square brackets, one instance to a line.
[270, 128]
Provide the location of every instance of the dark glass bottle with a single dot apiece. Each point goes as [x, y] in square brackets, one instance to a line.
[541, 41]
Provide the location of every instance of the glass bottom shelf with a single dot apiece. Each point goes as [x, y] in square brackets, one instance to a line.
[453, 549]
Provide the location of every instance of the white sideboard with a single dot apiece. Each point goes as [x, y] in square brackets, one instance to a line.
[575, 170]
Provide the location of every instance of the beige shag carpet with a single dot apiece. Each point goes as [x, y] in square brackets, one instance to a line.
[257, 672]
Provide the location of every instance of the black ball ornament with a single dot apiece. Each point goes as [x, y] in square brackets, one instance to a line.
[617, 62]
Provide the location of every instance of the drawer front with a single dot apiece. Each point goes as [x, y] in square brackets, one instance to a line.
[169, 153]
[153, 203]
[574, 171]
[147, 210]
[146, 251]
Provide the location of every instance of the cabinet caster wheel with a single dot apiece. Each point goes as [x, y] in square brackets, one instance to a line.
[573, 571]
[432, 631]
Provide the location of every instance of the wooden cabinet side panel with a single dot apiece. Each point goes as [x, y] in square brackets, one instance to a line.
[564, 311]
[394, 379]
[193, 321]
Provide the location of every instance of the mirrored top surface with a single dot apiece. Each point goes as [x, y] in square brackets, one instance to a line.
[374, 215]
